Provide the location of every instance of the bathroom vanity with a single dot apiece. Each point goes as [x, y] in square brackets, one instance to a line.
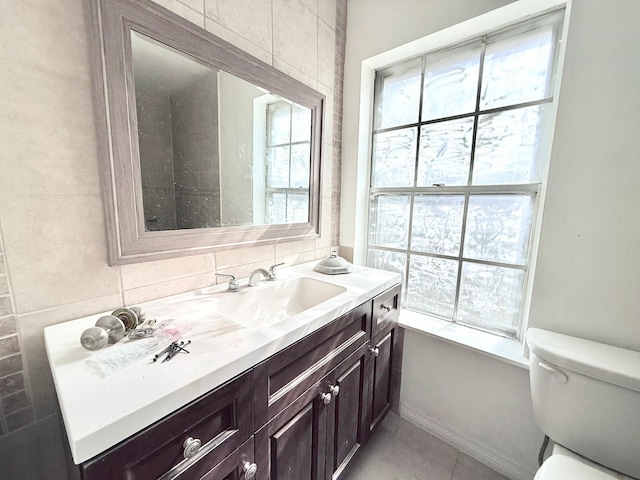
[293, 399]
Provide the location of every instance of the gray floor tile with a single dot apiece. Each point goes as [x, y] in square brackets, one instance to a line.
[420, 453]
[383, 434]
[391, 422]
[368, 467]
[468, 468]
[398, 450]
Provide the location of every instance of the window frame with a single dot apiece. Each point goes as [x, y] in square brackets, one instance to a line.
[487, 24]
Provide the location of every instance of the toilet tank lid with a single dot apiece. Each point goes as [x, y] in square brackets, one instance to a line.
[604, 362]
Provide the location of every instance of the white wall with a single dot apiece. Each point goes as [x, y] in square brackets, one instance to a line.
[236, 150]
[586, 279]
[476, 403]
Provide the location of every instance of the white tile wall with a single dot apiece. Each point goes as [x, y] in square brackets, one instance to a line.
[251, 19]
[51, 211]
[295, 35]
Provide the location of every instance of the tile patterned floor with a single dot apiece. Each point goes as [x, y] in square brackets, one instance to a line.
[399, 450]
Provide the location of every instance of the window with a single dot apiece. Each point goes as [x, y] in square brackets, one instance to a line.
[459, 154]
[288, 150]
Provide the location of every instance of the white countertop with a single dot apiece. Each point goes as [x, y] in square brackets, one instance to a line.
[101, 411]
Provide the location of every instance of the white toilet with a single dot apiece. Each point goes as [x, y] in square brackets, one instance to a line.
[586, 398]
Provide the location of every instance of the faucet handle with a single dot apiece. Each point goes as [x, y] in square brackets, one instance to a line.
[234, 286]
[272, 270]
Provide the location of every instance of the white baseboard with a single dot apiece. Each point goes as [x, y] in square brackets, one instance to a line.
[496, 460]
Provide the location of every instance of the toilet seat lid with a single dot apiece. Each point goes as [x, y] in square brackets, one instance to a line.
[561, 467]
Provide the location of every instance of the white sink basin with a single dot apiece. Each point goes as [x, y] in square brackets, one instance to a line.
[272, 302]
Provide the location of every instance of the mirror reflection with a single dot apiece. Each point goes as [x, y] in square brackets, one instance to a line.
[215, 150]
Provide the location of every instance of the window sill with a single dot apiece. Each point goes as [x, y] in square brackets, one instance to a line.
[504, 349]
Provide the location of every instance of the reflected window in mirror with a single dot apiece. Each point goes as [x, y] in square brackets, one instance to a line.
[287, 155]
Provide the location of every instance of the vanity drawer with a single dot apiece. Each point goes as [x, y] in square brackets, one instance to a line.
[386, 309]
[285, 376]
[221, 420]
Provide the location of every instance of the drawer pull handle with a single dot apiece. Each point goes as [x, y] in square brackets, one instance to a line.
[384, 307]
[249, 470]
[326, 398]
[334, 390]
[375, 351]
[191, 446]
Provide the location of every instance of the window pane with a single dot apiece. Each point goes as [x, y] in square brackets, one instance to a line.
[445, 153]
[451, 82]
[297, 208]
[389, 261]
[527, 57]
[300, 165]
[490, 297]
[276, 208]
[507, 145]
[432, 285]
[278, 167]
[394, 158]
[498, 228]
[279, 123]
[389, 223]
[398, 95]
[437, 224]
[301, 124]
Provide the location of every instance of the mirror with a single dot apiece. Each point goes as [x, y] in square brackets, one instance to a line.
[205, 146]
[204, 135]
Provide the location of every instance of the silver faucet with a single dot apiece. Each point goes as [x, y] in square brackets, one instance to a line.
[233, 286]
[254, 279]
[258, 273]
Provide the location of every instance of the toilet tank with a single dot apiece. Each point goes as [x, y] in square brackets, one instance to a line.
[586, 397]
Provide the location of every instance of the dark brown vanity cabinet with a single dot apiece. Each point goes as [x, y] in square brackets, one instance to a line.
[384, 365]
[292, 444]
[356, 359]
[384, 369]
[187, 444]
[299, 415]
[346, 413]
[315, 436]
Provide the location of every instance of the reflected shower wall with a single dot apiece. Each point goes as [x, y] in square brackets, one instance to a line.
[196, 157]
[156, 157]
[179, 154]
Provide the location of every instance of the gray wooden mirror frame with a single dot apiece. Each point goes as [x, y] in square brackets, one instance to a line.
[128, 241]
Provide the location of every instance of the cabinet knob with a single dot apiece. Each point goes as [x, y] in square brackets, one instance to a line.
[249, 470]
[384, 307]
[326, 398]
[334, 390]
[191, 446]
[375, 351]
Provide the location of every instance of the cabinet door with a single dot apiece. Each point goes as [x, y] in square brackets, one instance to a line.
[292, 444]
[346, 413]
[237, 466]
[381, 370]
